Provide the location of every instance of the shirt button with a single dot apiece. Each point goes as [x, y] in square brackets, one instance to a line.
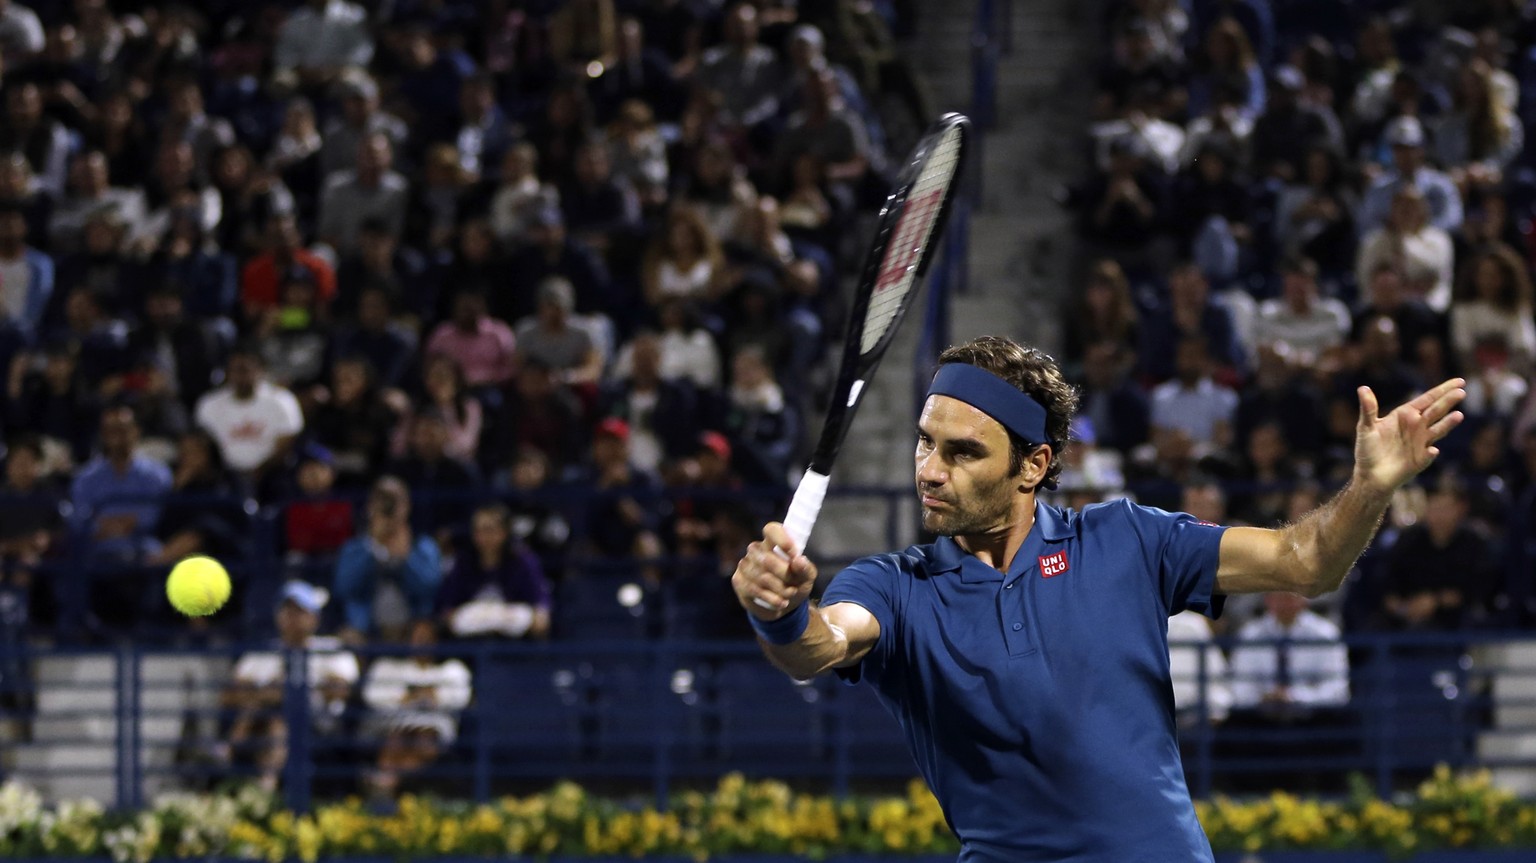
[1017, 627]
[1008, 586]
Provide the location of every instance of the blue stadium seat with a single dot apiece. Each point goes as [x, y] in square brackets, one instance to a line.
[531, 712]
[603, 605]
[763, 713]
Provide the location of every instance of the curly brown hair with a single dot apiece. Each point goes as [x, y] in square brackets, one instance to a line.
[1036, 374]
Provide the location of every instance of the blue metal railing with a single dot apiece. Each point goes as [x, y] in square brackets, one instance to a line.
[651, 715]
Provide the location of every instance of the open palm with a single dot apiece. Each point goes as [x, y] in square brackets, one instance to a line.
[1393, 449]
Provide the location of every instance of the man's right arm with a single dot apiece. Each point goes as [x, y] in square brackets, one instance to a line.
[837, 636]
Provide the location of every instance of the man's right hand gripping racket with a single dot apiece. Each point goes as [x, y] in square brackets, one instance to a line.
[911, 224]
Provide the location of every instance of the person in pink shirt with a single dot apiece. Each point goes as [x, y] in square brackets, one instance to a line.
[483, 347]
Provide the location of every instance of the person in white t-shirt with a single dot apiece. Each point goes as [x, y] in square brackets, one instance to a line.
[256, 694]
[414, 704]
[254, 421]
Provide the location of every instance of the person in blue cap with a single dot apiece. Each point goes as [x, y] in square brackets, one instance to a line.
[1025, 652]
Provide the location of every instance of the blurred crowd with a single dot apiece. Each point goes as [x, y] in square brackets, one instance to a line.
[1290, 199]
[337, 257]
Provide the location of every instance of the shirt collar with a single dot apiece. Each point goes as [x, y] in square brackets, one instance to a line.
[1051, 525]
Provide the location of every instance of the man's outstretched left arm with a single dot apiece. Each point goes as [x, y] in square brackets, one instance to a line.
[1312, 556]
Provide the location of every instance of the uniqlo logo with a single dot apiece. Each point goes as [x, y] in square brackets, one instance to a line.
[1053, 564]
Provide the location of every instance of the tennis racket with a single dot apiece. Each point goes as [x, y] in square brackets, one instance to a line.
[910, 225]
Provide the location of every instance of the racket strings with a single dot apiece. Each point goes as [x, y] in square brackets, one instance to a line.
[909, 243]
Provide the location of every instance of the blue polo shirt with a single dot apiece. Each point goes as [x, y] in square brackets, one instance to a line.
[1038, 704]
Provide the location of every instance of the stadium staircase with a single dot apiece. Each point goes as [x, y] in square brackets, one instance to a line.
[1021, 244]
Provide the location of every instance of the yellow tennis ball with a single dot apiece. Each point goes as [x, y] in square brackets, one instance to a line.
[198, 586]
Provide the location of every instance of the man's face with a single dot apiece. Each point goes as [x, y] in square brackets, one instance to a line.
[22, 468]
[243, 374]
[1407, 159]
[13, 229]
[962, 475]
[25, 105]
[164, 310]
[294, 624]
[119, 434]
[429, 438]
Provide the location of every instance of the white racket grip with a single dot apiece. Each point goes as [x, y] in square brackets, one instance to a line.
[805, 507]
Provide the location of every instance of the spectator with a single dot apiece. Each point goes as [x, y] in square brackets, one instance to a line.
[1286, 677]
[539, 414]
[1311, 328]
[353, 421]
[359, 119]
[662, 414]
[1481, 136]
[206, 513]
[254, 421]
[291, 337]
[258, 733]
[1387, 295]
[415, 702]
[432, 70]
[521, 196]
[484, 132]
[543, 529]
[600, 209]
[387, 576]
[21, 34]
[1103, 312]
[372, 190]
[444, 392]
[1192, 413]
[827, 129]
[498, 588]
[1315, 215]
[427, 465]
[483, 347]
[1405, 136]
[1111, 402]
[48, 395]
[1229, 60]
[1493, 299]
[1291, 124]
[555, 340]
[1440, 572]
[186, 121]
[1380, 367]
[250, 196]
[175, 192]
[683, 260]
[170, 352]
[315, 524]
[388, 347]
[261, 279]
[640, 74]
[763, 427]
[1422, 252]
[717, 185]
[639, 153]
[29, 131]
[381, 263]
[30, 503]
[432, 210]
[1189, 311]
[688, 351]
[625, 515]
[319, 41]
[90, 191]
[26, 274]
[1122, 207]
[1265, 475]
[700, 487]
[746, 74]
[117, 495]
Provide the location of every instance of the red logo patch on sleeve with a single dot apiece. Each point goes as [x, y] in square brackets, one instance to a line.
[1053, 564]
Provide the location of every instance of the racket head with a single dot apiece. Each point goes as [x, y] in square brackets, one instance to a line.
[906, 239]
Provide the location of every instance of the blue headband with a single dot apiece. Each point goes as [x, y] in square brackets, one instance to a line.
[994, 397]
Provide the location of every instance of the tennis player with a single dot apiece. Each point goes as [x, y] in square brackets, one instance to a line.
[1025, 651]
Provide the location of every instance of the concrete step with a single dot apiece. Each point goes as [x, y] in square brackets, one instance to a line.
[51, 759]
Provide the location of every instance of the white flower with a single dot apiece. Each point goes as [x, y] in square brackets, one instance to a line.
[20, 807]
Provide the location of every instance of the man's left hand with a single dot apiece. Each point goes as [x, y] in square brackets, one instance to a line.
[1393, 449]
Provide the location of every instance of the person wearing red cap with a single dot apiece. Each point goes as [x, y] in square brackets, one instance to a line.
[622, 519]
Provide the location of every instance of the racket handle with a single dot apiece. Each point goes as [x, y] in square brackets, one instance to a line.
[805, 507]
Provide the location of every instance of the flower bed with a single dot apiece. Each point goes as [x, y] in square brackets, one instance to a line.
[737, 818]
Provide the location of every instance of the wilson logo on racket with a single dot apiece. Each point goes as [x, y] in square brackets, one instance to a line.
[1053, 564]
[907, 247]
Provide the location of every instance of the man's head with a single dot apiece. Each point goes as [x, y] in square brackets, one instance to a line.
[1299, 284]
[468, 309]
[741, 26]
[1187, 287]
[972, 471]
[375, 153]
[389, 503]
[1379, 345]
[557, 299]
[490, 528]
[1444, 510]
[1285, 607]
[89, 173]
[245, 370]
[24, 104]
[610, 443]
[298, 612]
[1191, 360]
[163, 306]
[1204, 499]
[23, 462]
[1405, 136]
[13, 229]
[645, 358]
[317, 470]
[119, 433]
[429, 435]
[1386, 286]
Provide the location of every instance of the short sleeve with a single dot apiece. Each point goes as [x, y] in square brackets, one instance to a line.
[1186, 554]
[869, 583]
